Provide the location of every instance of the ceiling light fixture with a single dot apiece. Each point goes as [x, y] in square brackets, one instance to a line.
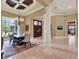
[20, 18]
[69, 7]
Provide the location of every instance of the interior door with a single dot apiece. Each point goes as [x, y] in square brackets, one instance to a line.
[37, 28]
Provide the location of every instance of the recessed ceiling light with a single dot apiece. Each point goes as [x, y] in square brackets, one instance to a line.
[55, 7]
[69, 7]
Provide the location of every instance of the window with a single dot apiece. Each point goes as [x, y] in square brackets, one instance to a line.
[9, 25]
[35, 23]
[40, 24]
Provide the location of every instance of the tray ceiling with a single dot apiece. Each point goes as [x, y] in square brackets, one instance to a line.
[57, 7]
[13, 3]
[26, 6]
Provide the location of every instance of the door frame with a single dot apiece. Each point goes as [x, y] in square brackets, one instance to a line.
[41, 27]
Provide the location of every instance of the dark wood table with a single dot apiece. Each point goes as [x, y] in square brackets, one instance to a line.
[18, 39]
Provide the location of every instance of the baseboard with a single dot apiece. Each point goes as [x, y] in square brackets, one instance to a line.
[59, 36]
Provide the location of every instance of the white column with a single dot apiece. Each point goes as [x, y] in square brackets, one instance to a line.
[47, 27]
[18, 29]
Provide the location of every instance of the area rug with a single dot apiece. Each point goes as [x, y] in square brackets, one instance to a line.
[9, 50]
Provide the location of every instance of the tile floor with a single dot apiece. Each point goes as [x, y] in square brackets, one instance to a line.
[9, 50]
[56, 51]
[40, 52]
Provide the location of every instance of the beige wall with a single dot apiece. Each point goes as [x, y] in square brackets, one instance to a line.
[56, 20]
[29, 19]
[8, 14]
[62, 20]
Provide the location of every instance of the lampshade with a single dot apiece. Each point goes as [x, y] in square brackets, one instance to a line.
[21, 19]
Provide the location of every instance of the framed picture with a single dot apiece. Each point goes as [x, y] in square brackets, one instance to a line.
[27, 28]
[59, 27]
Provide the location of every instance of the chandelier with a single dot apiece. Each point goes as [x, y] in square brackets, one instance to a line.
[19, 5]
[20, 18]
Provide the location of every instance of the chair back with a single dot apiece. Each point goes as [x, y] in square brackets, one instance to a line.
[10, 36]
[22, 38]
[27, 37]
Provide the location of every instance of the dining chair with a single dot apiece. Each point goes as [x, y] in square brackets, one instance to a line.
[15, 41]
[18, 41]
[21, 42]
[10, 38]
[27, 39]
